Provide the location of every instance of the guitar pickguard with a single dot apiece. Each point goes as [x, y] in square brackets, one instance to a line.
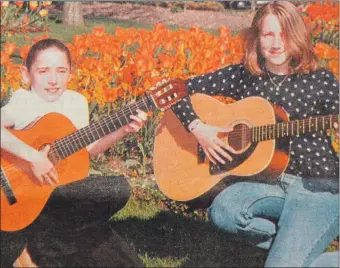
[238, 159]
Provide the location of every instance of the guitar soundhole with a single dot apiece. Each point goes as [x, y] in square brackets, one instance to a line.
[239, 138]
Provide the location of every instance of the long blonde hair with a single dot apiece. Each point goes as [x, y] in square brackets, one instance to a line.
[298, 43]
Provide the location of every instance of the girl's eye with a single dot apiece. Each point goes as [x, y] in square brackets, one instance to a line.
[63, 71]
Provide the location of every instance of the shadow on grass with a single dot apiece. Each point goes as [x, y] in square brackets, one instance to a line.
[168, 235]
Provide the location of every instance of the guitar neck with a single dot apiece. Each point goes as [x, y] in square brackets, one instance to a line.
[292, 128]
[83, 137]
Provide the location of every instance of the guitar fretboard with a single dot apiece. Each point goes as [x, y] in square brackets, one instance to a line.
[85, 136]
[293, 128]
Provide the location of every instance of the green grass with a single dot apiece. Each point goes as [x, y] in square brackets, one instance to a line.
[66, 33]
[164, 238]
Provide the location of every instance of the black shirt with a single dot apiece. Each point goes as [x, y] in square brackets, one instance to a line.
[301, 95]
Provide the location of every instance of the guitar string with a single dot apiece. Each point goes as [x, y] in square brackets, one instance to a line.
[235, 133]
[99, 124]
[238, 132]
[119, 115]
[72, 138]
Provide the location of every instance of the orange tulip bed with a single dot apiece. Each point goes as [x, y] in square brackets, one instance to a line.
[126, 63]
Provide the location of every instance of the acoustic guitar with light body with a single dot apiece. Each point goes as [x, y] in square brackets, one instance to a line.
[22, 198]
[260, 139]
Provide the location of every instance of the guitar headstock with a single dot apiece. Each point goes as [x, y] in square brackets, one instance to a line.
[168, 93]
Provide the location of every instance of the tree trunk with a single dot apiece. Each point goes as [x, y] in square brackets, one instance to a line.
[73, 14]
[253, 5]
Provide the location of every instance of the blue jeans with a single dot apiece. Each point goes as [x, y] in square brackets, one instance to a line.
[295, 219]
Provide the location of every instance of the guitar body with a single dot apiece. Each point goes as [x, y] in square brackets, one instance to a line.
[179, 173]
[30, 196]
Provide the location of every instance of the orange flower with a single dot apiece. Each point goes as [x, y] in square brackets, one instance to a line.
[47, 3]
[10, 48]
[98, 31]
[33, 5]
[24, 51]
[19, 4]
[5, 59]
[25, 19]
[43, 12]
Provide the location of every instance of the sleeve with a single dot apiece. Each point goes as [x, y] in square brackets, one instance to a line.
[328, 93]
[220, 82]
[12, 108]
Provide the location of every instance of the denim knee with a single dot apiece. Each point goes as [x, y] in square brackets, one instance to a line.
[248, 217]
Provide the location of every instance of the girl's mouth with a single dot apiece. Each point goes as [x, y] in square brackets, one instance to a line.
[51, 90]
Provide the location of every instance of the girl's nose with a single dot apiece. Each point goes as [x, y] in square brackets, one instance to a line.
[277, 41]
[52, 79]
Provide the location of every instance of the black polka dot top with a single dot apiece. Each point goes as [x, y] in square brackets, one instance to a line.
[301, 95]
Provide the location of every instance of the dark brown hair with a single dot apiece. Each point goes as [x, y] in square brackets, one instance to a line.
[45, 44]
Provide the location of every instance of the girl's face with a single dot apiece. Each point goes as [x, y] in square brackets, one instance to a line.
[49, 74]
[272, 44]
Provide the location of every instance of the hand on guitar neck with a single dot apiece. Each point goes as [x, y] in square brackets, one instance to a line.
[208, 138]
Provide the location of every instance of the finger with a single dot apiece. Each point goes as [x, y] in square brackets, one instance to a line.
[209, 156]
[142, 114]
[224, 154]
[225, 146]
[223, 129]
[54, 175]
[40, 180]
[215, 155]
[46, 180]
[136, 118]
[335, 125]
[46, 149]
[134, 127]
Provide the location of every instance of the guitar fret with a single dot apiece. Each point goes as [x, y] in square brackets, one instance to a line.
[119, 121]
[113, 122]
[287, 129]
[145, 104]
[323, 122]
[293, 128]
[298, 128]
[316, 123]
[82, 136]
[107, 126]
[63, 151]
[92, 133]
[76, 143]
[71, 147]
[96, 130]
[126, 119]
[304, 130]
[101, 127]
[68, 150]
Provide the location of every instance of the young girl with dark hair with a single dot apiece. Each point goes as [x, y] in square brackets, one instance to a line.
[72, 229]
